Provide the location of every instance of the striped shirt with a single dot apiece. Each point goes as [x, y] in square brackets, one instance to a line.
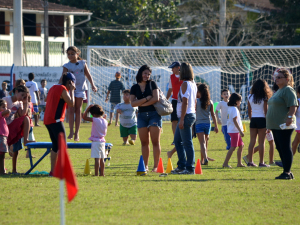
[115, 88]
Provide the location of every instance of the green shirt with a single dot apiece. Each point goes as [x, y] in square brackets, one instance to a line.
[278, 107]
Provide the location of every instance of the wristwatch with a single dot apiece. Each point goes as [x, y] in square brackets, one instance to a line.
[290, 117]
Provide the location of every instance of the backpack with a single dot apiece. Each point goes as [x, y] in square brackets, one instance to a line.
[163, 107]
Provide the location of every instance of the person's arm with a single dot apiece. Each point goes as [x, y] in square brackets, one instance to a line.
[170, 91]
[85, 117]
[106, 99]
[249, 110]
[237, 126]
[153, 99]
[217, 116]
[135, 102]
[37, 97]
[118, 109]
[5, 113]
[65, 70]
[69, 99]
[292, 111]
[214, 118]
[184, 105]
[89, 77]
[265, 107]
[23, 111]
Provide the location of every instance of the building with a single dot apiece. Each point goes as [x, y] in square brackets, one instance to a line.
[61, 32]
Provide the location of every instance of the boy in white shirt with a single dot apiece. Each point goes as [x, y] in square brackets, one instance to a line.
[43, 94]
[128, 121]
[223, 107]
[35, 98]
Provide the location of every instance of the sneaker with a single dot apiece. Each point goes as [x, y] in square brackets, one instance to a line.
[245, 158]
[173, 143]
[205, 162]
[251, 164]
[187, 172]
[284, 176]
[176, 171]
[263, 165]
[132, 142]
[279, 164]
[292, 175]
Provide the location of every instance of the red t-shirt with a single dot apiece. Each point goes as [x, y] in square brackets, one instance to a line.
[56, 106]
[176, 83]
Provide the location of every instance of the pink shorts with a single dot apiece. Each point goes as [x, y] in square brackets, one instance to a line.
[298, 131]
[236, 140]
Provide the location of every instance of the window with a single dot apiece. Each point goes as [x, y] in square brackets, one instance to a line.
[56, 26]
[4, 46]
[2, 23]
[33, 47]
[29, 24]
[56, 48]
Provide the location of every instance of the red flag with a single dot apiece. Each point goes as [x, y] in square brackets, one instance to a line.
[63, 168]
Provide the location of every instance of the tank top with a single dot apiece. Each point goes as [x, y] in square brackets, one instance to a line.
[56, 106]
[298, 117]
[190, 94]
[78, 70]
[202, 115]
[257, 109]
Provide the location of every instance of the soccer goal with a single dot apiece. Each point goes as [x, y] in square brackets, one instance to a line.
[234, 68]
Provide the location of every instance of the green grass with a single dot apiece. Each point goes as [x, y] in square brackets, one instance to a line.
[219, 196]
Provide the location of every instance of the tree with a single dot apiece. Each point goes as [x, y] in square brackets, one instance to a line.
[289, 17]
[129, 15]
[242, 27]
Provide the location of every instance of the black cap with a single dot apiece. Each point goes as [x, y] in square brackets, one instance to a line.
[174, 64]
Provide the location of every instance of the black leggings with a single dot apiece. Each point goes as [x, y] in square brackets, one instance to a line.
[282, 140]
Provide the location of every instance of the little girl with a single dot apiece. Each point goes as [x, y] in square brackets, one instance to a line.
[3, 134]
[203, 109]
[234, 129]
[297, 137]
[78, 67]
[99, 129]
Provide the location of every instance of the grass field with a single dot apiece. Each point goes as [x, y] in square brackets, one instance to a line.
[219, 196]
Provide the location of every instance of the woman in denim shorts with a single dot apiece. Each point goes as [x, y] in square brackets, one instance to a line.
[148, 121]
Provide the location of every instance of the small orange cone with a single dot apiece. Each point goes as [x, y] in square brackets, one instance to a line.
[160, 168]
[198, 169]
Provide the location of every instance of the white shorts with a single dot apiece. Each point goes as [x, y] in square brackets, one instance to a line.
[98, 150]
[80, 94]
[269, 136]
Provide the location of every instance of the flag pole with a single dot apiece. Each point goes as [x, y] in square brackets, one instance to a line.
[61, 200]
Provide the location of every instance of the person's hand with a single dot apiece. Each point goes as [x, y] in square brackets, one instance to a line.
[288, 121]
[104, 117]
[216, 130]
[242, 134]
[268, 131]
[106, 100]
[219, 122]
[72, 85]
[94, 88]
[181, 124]
[90, 106]
[149, 97]
[7, 113]
[119, 111]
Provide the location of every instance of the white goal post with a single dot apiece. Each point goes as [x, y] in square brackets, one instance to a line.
[233, 68]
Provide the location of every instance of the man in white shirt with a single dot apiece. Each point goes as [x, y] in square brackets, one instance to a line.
[35, 98]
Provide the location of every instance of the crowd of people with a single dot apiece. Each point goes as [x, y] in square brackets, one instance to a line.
[273, 116]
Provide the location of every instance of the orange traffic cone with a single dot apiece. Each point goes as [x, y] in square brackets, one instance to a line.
[160, 168]
[198, 169]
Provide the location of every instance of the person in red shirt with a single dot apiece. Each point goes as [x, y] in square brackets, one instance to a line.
[57, 100]
[174, 87]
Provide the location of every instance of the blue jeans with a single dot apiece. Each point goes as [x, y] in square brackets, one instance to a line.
[226, 137]
[184, 143]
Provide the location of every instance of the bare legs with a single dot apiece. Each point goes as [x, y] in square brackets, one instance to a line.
[295, 143]
[53, 157]
[174, 125]
[2, 166]
[239, 156]
[261, 145]
[145, 134]
[203, 150]
[111, 116]
[99, 165]
[77, 111]
[132, 136]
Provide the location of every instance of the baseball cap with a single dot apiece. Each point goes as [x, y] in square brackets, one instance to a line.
[174, 64]
[70, 76]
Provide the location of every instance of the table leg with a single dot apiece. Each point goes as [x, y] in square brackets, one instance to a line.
[33, 166]
[30, 156]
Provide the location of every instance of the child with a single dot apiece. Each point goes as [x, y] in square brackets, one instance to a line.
[18, 83]
[114, 89]
[203, 109]
[223, 107]
[3, 134]
[257, 111]
[234, 129]
[43, 94]
[30, 112]
[128, 122]
[4, 92]
[297, 137]
[78, 67]
[35, 97]
[99, 129]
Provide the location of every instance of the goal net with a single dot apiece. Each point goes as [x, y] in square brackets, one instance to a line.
[234, 68]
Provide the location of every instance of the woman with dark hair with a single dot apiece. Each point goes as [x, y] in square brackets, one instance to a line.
[257, 110]
[57, 100]
[282, 108]
[143, 95]
[186, 113]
